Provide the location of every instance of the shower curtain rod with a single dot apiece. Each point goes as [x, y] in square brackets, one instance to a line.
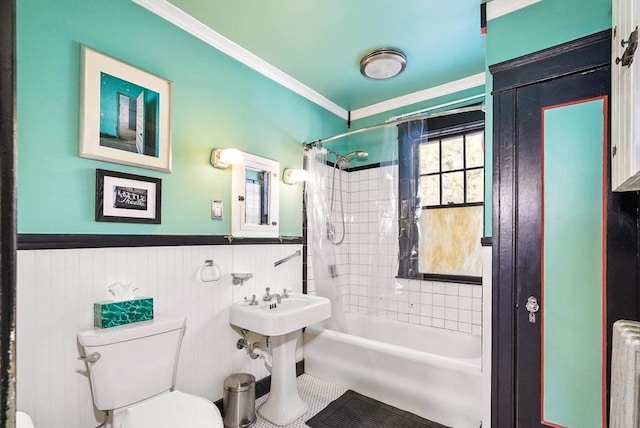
[393, 122]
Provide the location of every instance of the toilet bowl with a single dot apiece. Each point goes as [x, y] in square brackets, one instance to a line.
[132, 371]
[171, 410]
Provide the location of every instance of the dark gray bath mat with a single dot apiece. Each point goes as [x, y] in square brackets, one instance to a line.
[353, 410]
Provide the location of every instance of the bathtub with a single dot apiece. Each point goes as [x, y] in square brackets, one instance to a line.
[432, 372]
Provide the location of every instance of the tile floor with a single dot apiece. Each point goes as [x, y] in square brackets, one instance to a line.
[317, 392]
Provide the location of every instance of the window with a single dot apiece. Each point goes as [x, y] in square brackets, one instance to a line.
[450, 173]
[452, 170]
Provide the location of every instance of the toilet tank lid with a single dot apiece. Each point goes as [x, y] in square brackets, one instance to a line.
[107, 336]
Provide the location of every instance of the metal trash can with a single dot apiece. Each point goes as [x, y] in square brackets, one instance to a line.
[239, 400]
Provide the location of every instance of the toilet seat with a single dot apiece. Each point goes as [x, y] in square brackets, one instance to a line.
[172, 410]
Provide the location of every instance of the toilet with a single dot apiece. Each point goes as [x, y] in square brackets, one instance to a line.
[132, 371]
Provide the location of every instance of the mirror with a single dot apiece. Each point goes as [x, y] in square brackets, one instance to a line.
[255, 194]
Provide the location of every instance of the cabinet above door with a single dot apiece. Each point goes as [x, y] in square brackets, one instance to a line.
[625, 97]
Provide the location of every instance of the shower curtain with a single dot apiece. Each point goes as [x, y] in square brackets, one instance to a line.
[323, 251]
[393, 251]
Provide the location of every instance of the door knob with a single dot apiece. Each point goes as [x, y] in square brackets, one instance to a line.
[532, 307]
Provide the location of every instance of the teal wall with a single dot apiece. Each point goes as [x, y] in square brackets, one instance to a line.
[217, 102]
[539, 26]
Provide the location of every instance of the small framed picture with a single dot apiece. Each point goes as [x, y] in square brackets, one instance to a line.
[124, 113]
[127, 198]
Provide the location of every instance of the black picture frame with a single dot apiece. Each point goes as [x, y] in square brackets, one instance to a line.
[127, 198]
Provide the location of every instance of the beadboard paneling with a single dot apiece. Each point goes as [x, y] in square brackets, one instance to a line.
[56, 292]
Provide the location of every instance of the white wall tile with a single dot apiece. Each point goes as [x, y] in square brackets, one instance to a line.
[464, 303]
[465, 316]
[427, 299]
[426, 286]
[438, 287]
[464, 327]
[451, 314]
[368, 268]
[451, 289]
[438, 312]
[438, 300]
[426, 310]
[466, 290]
[451, 301]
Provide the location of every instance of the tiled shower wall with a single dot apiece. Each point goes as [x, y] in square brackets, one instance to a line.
[444, 305]
[56, 290]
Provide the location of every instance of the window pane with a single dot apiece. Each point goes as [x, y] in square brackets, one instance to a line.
[429, 157]
[475, 185]
[453, 188]
[451, 242]
[475, 153]
[430, 190]
[452, 153]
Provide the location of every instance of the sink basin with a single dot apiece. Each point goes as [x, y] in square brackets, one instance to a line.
[281, 321]
[275, 319]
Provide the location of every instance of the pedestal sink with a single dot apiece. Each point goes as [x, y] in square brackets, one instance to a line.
[281, 321]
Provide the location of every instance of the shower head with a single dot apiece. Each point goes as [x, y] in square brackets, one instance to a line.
[358, 154]
[343, 161]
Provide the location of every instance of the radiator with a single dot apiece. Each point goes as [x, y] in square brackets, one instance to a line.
[625, 375]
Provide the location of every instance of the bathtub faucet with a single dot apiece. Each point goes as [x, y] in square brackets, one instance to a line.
[268, 296]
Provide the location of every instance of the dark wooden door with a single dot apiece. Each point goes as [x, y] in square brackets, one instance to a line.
[560, 229]
[560, 237]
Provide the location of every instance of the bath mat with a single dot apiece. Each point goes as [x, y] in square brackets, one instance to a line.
[353, 410]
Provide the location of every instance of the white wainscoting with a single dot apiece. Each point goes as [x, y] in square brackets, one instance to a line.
[56, 292]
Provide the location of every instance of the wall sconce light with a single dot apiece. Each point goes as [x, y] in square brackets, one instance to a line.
[223, 158]
[293, 176]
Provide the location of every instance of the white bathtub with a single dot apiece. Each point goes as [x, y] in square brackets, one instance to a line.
[434, 373]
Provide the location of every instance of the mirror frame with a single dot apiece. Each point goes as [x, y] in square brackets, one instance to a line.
[238, 226]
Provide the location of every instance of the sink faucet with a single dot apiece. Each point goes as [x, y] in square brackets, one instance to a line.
[268, 296]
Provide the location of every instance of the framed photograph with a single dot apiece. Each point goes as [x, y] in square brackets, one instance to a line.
[124, 113]
[127, 198]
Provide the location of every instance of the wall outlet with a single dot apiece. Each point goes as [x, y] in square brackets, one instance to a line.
[216, 210]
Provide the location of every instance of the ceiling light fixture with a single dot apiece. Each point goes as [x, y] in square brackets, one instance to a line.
[383, 63]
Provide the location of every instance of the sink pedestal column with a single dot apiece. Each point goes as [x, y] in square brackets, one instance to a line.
[284, 404]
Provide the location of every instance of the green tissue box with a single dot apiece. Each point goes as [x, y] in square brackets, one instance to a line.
[112, 314]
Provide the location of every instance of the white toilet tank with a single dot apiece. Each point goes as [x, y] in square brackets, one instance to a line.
[137, 361]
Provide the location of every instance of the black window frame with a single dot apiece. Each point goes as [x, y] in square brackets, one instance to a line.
[409, 176]
[439, 136]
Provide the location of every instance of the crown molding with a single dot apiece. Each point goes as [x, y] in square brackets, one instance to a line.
[497, 8]
[420, 96]
[182, 20]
